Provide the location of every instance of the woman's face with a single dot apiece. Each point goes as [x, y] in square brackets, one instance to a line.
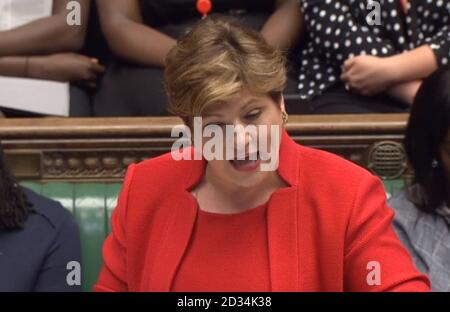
[245, 109]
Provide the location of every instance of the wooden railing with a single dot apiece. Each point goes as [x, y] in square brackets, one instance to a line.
[100, 149]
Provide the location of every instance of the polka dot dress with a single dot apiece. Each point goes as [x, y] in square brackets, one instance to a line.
[340, 29]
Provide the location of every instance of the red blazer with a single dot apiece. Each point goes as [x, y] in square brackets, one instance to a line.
[324, 230]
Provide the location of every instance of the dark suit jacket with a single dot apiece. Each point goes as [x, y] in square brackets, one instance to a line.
[36, 258]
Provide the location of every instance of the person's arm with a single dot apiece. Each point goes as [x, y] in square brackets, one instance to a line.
[337, 36]
[47, 35]
[375, 259]
[113, 276]
[66, 249]
[13, 66]
[419, 63]
[413, 65]
[370, 75]
[128, 37]
[64, 67]
[401, 74]
[285, 26]
[405, 92]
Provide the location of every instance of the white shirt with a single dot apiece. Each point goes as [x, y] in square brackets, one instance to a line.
[15, 13]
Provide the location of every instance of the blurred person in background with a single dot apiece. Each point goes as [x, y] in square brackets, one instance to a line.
[38, 239]
[50, 49]
[370, 56]
[140, 33]
[423, 213]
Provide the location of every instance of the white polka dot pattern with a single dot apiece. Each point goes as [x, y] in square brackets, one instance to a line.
[338, 30]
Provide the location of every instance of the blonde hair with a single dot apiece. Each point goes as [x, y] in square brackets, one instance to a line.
[218, 59]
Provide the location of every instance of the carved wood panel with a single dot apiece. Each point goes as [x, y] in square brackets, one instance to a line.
[58, 149]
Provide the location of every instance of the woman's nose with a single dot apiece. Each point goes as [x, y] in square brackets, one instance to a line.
[243, 138]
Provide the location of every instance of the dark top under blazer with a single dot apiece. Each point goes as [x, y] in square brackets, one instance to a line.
[36, 258]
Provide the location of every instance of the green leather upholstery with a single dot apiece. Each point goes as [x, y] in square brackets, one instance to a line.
[92, 205]
[393, 186]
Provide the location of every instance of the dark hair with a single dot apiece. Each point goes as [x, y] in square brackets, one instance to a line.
[14, 206]
[427, 129]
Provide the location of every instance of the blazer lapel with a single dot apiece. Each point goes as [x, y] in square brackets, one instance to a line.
[176, 240]
[173, 245]
[283, 223]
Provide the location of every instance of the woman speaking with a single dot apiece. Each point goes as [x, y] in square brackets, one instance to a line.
[315, 223]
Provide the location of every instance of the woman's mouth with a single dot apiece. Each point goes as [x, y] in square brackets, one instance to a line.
[247, 164]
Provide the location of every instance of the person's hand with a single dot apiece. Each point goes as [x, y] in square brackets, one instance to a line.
[66, 67]
[368, 75]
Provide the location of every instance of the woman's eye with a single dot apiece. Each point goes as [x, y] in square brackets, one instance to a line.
[218, 124]
[253, 115]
